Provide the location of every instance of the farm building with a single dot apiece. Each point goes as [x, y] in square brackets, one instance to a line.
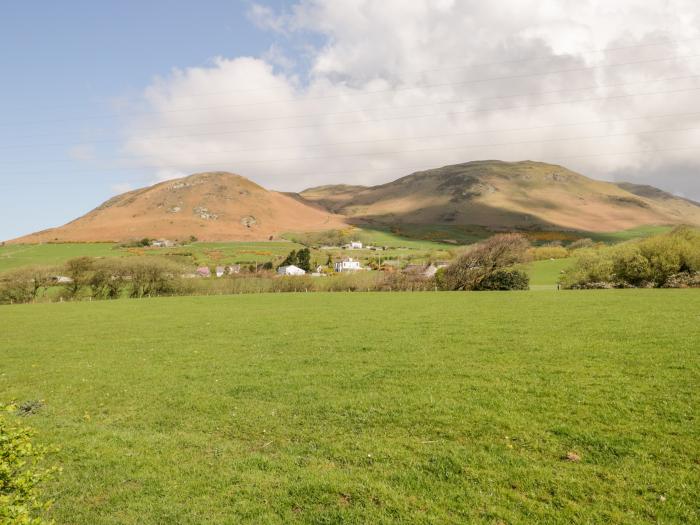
[355, 245]
[290, 269]
[220, 271]
[348, 264]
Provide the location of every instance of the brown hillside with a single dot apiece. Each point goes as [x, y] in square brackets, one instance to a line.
[499, 195]
[215, 206]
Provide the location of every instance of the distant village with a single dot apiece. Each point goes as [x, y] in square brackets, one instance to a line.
[345, 264]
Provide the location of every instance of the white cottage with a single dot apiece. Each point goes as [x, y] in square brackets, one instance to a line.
[290, 270]
[348, 264]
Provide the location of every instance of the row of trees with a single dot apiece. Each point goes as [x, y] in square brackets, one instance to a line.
[666, 260]
[487, 266]
[94, 278]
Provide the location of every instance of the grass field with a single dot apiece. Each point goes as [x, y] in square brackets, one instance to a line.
[632, 233]
[545, 274]
[413, 246]
[17, 255]
[366, 408]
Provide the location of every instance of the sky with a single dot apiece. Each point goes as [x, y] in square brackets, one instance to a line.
[98, 98]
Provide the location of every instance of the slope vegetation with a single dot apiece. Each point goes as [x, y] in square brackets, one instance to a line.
[504, 195]
[214, 206]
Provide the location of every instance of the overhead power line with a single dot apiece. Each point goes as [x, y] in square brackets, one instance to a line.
[363, 93]
[405, 106]
[659, 43]
[363, 121]
[398, 139]
[402, 151]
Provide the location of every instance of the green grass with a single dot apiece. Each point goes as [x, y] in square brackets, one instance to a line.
[424, 236]
[626, 235]
[366, 408]
[545, 274]
[211, 253]
[17, 255]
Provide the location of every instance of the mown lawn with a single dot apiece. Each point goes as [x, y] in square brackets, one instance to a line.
[366, 407]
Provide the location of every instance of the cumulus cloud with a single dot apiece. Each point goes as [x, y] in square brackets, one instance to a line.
[398, 86]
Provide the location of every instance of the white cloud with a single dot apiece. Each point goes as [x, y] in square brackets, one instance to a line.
[399, 86]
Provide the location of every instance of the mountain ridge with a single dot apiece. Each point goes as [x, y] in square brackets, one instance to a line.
[497, 195]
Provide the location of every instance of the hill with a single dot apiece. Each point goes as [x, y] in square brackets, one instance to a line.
[214, 206]
[492, 195]
[503, 195]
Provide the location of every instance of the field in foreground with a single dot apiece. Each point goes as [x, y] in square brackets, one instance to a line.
[366, 408]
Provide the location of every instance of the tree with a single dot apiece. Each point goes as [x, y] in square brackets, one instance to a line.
[150, 277]
[479, 264]
[79, 270]
[290, 259]
[25, 284]
[304, 259]
[107, 280]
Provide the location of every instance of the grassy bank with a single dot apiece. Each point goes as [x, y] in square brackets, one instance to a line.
[366, 408]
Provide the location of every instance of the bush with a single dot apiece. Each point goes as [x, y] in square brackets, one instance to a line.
[590, 267]
[506, 279]
[660, 261]
[24, 285]
[478, 264]
[683, 280]
[150, 277]
[21, 476]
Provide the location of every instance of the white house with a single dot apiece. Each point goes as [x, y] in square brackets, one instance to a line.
[162, 243]
[355, 245]
[348, 264]
[290, 270]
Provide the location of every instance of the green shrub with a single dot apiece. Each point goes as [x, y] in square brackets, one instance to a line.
[630, 266]
[151, 277]
[21, 475]
[653, 261]
[505, 279]
[590, 267]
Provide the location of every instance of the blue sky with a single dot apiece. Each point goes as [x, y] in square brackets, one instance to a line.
[100, 97]
[62, 61]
